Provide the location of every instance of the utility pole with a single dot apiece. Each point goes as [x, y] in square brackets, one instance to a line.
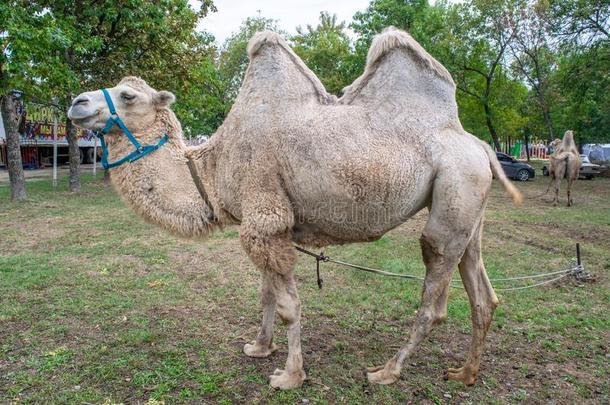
[55, 149]
[94, 156]
[55, 124]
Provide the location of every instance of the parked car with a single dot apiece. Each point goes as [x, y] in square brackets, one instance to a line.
[514, 169]
[588, 170]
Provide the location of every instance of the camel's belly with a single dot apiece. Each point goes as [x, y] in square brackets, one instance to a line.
[343, 228]
[360, 204]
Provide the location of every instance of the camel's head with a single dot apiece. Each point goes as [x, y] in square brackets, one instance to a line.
[555, 144]
[136, 103]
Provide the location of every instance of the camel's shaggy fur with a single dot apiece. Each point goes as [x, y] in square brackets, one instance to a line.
[291, 163]
[157, 187]
[564, 162]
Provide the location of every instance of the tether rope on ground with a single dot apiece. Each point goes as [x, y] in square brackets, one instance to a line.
[577, 271]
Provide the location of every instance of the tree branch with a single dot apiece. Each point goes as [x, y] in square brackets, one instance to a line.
[470, 93]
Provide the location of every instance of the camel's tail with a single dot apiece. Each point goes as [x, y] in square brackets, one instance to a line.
[498, 172]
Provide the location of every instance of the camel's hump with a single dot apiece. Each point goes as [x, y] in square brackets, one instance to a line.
[264, 37]
[392, 38]
[295, 74]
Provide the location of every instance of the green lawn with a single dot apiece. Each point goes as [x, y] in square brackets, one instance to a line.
[97, 306]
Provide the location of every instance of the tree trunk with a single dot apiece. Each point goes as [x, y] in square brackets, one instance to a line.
[527, 144]
[106, 176]
[490, 126]
[547, 120]
[15, 166]
[74, 154]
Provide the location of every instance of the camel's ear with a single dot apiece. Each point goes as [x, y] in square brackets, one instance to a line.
[164, 98]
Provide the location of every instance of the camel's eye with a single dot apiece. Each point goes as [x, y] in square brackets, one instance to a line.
[127, 97]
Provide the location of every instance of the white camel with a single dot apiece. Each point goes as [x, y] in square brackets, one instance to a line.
[292, 164]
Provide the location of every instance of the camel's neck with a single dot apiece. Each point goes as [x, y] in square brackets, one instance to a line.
[159, 186]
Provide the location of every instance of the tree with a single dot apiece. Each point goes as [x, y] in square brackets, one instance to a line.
[105, 41]
[11, 118]
[201, 105]
[63, 47]
[583, 87]
[20, 40]
[581, 21]
[475, 51]
[324, 49]
[380, 14]
[581, 29]
[533, 58]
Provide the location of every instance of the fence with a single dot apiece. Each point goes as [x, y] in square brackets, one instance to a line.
[537, 149]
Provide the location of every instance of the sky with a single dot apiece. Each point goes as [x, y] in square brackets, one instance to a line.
[289, 13]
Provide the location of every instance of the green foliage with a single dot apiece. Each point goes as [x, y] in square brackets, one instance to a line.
[59, 48]
[30, 40]
[407, 15]
[581, 21]
[324, 49]
[584, 93]
[410, 15]
[200, 105]
[521, 66]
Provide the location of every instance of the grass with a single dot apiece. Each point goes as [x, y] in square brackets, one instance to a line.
[99, 307]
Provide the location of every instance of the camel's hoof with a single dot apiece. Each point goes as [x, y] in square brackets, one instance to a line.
[380, 375]
[253, 349]
[286, 381]
[463, 374]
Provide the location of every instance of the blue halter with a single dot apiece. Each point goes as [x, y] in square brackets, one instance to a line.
[140, 150]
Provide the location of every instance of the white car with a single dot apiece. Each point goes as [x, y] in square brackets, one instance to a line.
[588, 170]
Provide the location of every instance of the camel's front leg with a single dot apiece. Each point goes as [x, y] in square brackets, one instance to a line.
[263, 346]
[267, 221]
[289, 309]
[275, 257]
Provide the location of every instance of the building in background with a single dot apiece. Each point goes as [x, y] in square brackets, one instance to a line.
[37, 138]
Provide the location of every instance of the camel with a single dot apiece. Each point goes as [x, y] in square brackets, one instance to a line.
[564, 162]
[293, 164]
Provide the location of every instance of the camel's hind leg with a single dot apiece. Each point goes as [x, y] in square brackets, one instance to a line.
[551, 182]
[483, 302]
[443, 242]
[557, 187]
[570, 183]
[559, 174]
